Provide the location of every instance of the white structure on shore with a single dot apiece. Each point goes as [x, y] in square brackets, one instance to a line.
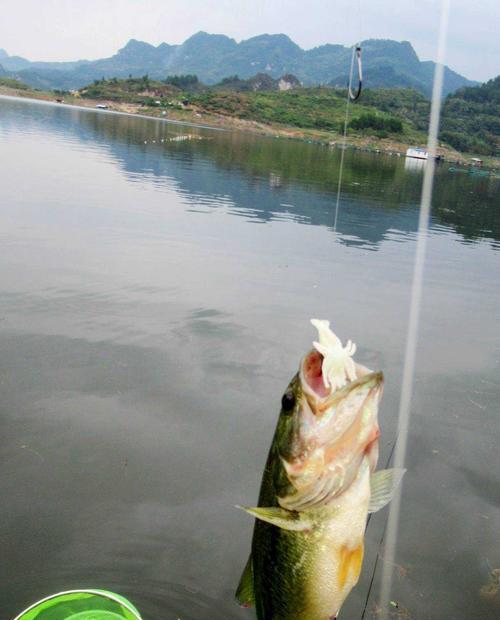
[417, 152]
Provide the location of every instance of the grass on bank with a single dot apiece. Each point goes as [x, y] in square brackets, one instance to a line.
[13, 83]
[305, 108]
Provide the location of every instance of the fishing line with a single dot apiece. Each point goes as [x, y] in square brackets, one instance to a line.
[360, 22]
[413, 321]
[350, 97]
[372, 579]
[341, 169]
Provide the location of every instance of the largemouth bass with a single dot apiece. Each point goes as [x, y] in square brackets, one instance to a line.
[317, 489]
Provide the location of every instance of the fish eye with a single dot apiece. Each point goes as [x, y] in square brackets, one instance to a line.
[288, 401]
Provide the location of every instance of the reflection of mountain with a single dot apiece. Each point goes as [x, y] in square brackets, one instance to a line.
[469, 205]
[266, 179]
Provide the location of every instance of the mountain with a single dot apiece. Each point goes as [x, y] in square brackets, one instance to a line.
[389, 64]
[213, 57]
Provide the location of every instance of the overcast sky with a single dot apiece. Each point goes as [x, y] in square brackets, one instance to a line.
[74, 29]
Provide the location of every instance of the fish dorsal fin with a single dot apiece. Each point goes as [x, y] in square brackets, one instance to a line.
[244, 592]
[280, 517]
[383, 485]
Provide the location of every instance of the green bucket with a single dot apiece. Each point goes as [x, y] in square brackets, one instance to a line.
[81, 605]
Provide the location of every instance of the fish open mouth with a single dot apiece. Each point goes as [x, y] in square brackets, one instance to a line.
[329, 366]
[312, 375]
[318, 391]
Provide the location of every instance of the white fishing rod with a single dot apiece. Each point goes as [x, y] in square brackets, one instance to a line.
[414, 316]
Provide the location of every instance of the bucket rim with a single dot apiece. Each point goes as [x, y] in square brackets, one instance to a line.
[103, 593]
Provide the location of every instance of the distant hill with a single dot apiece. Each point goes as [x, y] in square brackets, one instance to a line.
[470, 119]
[213, 57]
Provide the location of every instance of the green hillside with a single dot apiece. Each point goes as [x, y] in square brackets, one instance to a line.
[471, 119]
[307, 108]
[311, 108]
[12, 83]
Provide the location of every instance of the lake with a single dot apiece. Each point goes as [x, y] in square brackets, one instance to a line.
[155, 301]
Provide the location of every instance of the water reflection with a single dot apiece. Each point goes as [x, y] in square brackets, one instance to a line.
[268, 175]
[148, 330]
[415, 165]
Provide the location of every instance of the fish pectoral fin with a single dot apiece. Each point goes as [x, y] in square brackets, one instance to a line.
[280, 517]
[383, 485]
[244, 591]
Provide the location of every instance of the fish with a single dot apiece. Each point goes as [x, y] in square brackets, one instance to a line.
[318, 487]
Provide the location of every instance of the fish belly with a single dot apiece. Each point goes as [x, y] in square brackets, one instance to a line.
[337, 554]
[308, 575]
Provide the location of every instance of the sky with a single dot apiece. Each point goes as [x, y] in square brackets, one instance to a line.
[75, 29]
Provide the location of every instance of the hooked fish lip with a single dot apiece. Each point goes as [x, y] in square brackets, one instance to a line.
[374, 380]
[319, 397]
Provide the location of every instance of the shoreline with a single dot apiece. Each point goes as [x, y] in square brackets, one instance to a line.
[109, 110]
[220, 122]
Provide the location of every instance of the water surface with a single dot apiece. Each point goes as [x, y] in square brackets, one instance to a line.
[154, 303]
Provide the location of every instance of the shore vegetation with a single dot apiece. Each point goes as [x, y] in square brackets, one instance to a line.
[388, 119]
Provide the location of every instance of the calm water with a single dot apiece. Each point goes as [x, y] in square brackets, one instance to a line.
[154, 303]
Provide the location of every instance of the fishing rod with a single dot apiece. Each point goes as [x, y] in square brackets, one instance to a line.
[404, 412]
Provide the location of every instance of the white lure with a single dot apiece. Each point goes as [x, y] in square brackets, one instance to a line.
[338, 366]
